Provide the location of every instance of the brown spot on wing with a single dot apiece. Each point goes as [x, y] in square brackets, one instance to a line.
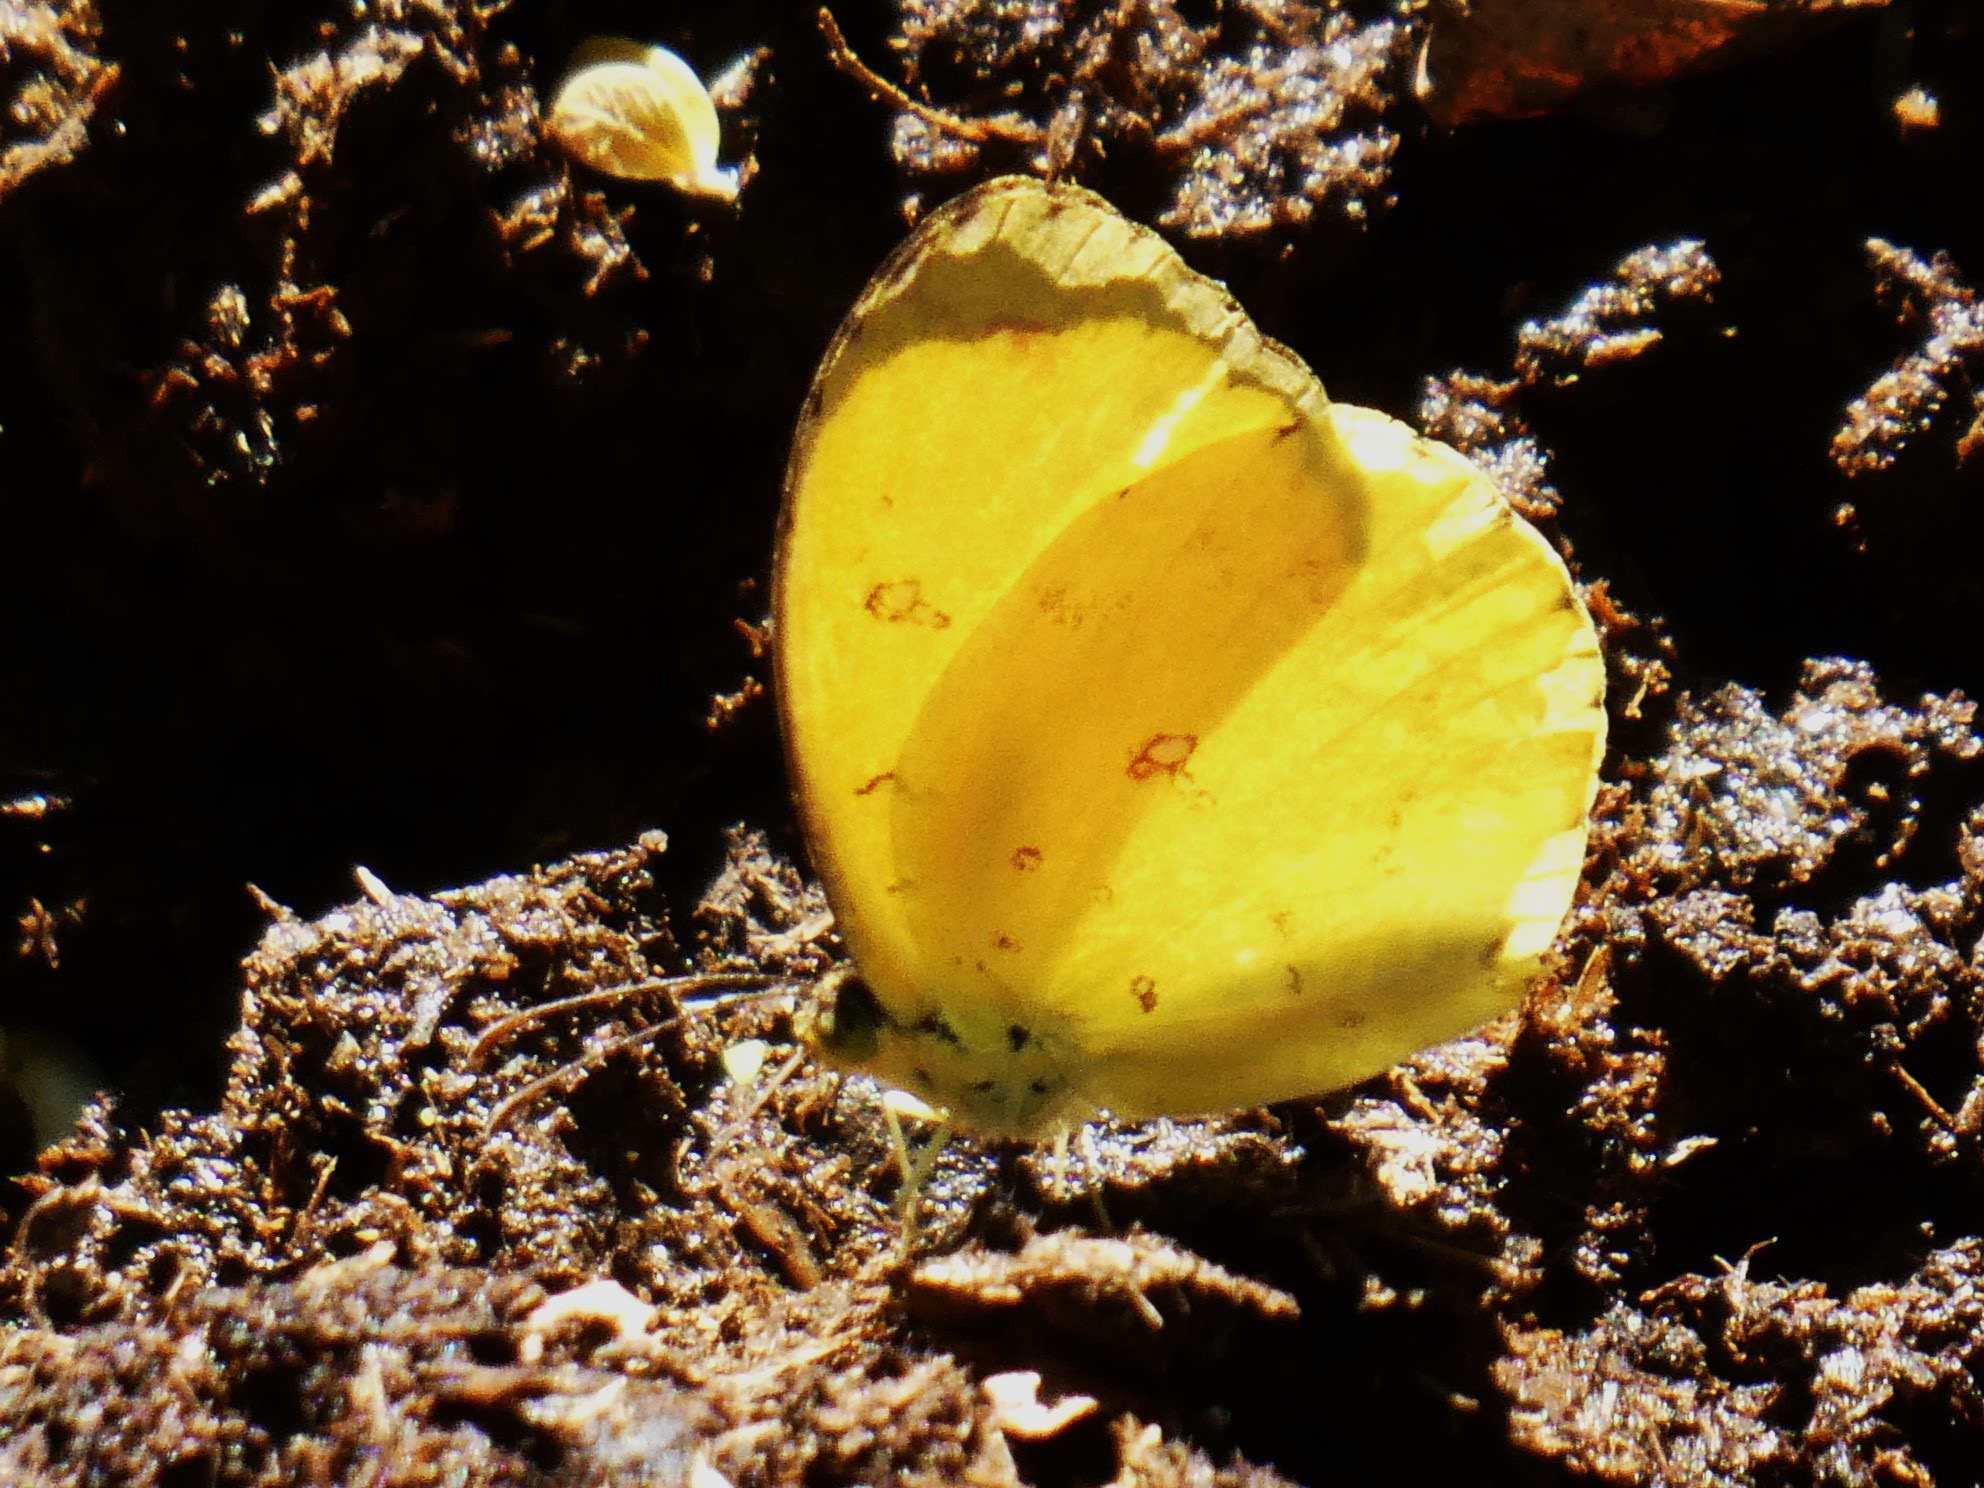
[1061, 607]
[1022, 333]
[901, 602]
[1144, 989]
[1163, 754]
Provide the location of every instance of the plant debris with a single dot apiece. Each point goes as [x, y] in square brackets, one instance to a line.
[1608, 323]
[1258, 119]
[1904, 401]
[55, 83]
[1063, 1274]
[1512, 59]
[1723, 1380]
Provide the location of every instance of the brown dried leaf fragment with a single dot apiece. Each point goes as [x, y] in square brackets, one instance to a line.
[1512, 59]
[1258, 119]
[1068, 1275]
[53, 81]
[1903, 401]
[1240, 1150]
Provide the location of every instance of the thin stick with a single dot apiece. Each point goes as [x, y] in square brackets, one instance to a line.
[842, 56]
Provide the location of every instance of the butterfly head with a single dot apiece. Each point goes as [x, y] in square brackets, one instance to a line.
[1014, 1080]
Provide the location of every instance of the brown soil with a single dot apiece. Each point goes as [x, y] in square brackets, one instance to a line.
[375, 490]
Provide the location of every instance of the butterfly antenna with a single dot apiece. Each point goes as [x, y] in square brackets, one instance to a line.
[745, 984]
[740, 985]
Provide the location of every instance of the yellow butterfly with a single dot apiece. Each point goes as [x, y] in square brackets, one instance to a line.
[1168, 738]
